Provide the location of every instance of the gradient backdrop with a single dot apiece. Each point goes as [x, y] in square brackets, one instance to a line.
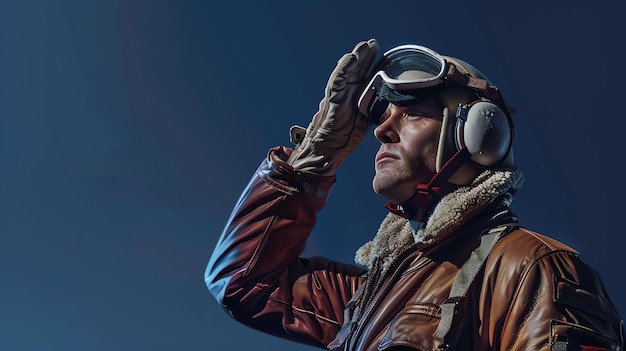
[129, 128]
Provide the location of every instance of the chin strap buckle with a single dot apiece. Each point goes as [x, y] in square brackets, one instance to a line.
[427, 193]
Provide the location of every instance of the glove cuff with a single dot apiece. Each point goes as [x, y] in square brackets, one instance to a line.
[284, 177]
[312, 157]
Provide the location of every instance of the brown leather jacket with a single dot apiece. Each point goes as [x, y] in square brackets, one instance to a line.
[533, 292]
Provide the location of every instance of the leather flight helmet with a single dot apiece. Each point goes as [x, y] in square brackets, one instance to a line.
[476, 121]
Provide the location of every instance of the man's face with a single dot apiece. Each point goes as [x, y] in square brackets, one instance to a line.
[408, 153]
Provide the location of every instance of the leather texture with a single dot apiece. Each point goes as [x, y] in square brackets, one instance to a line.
[533, 292]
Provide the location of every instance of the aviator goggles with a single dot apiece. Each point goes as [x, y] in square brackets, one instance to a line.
[406, 74]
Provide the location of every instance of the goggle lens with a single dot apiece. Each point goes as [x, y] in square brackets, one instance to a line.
[407, 67]
[412, 60]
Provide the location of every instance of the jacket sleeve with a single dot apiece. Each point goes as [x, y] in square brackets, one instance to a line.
[255, 271]
[559, 303]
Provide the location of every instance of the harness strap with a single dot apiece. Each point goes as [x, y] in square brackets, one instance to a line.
[464, 278]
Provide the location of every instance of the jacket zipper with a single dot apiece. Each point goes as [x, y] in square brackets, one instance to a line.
[372, 296]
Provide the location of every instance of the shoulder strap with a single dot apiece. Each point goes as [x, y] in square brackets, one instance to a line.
[464, 278]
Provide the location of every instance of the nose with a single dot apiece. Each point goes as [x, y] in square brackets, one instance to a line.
[387, 131]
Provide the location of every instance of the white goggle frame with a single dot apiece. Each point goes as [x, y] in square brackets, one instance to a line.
[381, 76]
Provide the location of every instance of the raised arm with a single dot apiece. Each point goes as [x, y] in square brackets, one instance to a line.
[256, 271]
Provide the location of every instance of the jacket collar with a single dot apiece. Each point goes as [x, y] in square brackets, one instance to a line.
[396, 234]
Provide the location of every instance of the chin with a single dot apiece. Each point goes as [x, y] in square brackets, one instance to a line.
[394, 191]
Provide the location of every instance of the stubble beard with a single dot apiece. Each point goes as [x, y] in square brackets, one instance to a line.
[395, 181]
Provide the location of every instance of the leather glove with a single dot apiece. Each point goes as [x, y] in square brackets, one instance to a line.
[338, 127]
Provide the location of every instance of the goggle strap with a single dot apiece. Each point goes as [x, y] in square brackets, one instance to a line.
[490, 91]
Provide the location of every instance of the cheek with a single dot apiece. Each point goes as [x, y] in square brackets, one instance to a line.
[423, 142]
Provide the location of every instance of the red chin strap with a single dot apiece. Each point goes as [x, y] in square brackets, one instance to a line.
[425, 193]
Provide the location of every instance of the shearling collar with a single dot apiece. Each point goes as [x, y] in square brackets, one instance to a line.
[396, 234]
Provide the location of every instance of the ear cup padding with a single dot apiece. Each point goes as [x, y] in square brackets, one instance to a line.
[486, 132]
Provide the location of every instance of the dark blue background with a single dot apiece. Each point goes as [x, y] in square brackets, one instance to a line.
[129, 128]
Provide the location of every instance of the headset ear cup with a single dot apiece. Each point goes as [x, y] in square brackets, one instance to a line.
[486, 132]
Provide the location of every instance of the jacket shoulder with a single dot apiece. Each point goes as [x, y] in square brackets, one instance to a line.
[528, 245]
[523, 253]
[548, 286]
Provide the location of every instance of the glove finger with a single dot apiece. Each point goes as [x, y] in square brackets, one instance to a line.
[359, 59]
[337, 80]
[348, 62]
[365, 49]
[366, 56]
[364, 53]
[351, 68]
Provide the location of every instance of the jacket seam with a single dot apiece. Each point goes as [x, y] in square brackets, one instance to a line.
[305, 311]
[529, 266]
[255, 254]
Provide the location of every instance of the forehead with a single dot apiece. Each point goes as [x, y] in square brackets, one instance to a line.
[415, 75]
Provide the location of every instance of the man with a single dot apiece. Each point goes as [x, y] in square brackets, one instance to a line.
[450, 268]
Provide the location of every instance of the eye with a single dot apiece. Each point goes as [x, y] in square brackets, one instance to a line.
[385, 116]
[412, 115]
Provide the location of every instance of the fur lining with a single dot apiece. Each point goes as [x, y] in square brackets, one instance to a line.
[393, 238]
[395, 234]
